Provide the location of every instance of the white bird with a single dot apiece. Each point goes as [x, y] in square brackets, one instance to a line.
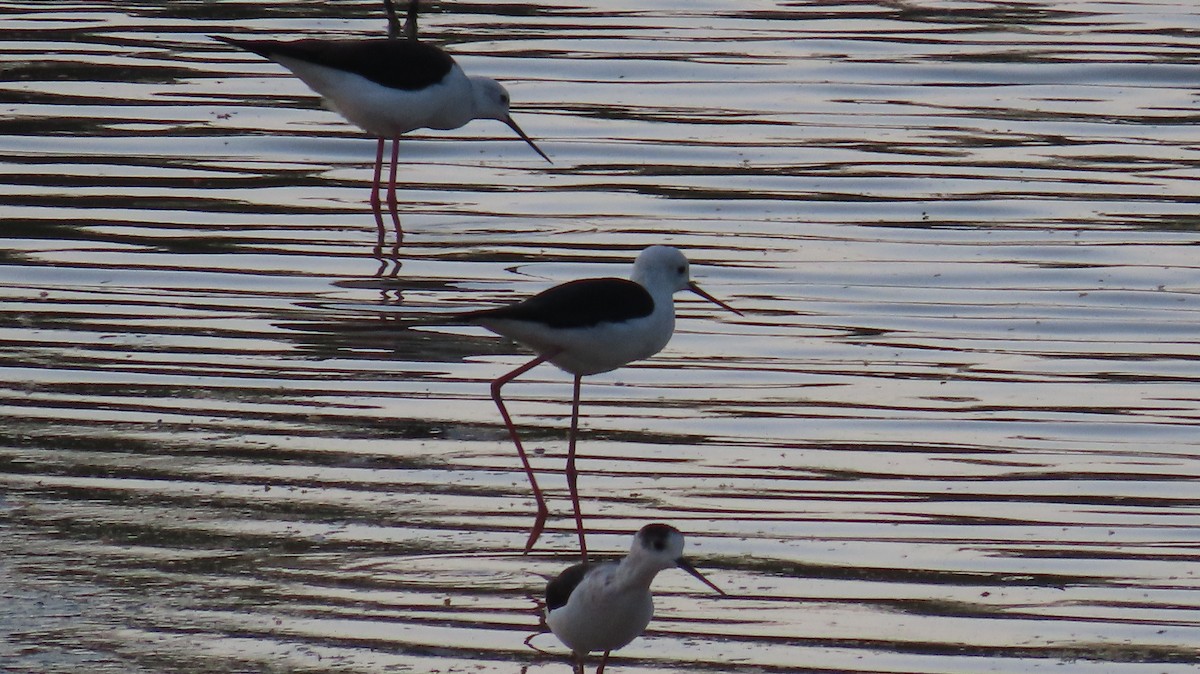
[603, 607]
[587, 327]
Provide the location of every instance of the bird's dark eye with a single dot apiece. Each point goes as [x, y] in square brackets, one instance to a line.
[681, 270]
[659, 544]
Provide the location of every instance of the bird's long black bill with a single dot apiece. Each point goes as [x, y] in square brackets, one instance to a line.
[687, 566]
[696, 289]
[513, 125]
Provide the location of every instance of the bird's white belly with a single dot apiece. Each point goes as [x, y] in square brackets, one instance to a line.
[602, 622]
[596, 349]
[386, 112]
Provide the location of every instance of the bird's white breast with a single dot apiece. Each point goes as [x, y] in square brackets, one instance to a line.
[600, 616]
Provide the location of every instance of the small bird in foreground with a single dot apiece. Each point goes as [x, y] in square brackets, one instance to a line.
[388, 87]
[603, 607]
[587, 327]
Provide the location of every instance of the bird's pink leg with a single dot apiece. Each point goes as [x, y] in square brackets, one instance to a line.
[391, 195]
[572, 475]
[603, 661]
[543, 512]
[375, 206]
[378, 179]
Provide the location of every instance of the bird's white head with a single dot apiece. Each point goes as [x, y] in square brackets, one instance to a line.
[491, 101]
[660, 546]
[664, 269]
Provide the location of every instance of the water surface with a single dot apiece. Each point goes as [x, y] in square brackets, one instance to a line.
[955, 431]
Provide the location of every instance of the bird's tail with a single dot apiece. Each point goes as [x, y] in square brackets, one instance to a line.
[260, 47]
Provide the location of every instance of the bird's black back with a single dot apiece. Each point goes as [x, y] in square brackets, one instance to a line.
[399, 64]
[559, 590]
[578, 304]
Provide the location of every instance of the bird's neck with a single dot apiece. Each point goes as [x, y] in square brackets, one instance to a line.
[632, 573]
[478, 103]
[664, 300]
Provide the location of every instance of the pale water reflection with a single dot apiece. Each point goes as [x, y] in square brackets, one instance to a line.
[955, 432]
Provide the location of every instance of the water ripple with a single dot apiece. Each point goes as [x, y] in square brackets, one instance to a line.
[954, 432]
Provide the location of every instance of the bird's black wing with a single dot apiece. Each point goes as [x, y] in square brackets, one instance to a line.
[577, 304]
[399, 64]
[559, 590]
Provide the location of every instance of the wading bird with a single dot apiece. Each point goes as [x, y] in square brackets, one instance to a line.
[388, 87]
[587, 327]
[603, 607]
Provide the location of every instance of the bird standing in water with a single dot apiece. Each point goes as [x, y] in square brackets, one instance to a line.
[587, 327]
[603, 607]
[388, 87]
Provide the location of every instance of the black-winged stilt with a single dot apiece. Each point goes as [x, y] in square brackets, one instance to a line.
[587, 327]
[603, 607]
[388, 87]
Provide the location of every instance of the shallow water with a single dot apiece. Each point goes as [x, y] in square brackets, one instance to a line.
[955, 431]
